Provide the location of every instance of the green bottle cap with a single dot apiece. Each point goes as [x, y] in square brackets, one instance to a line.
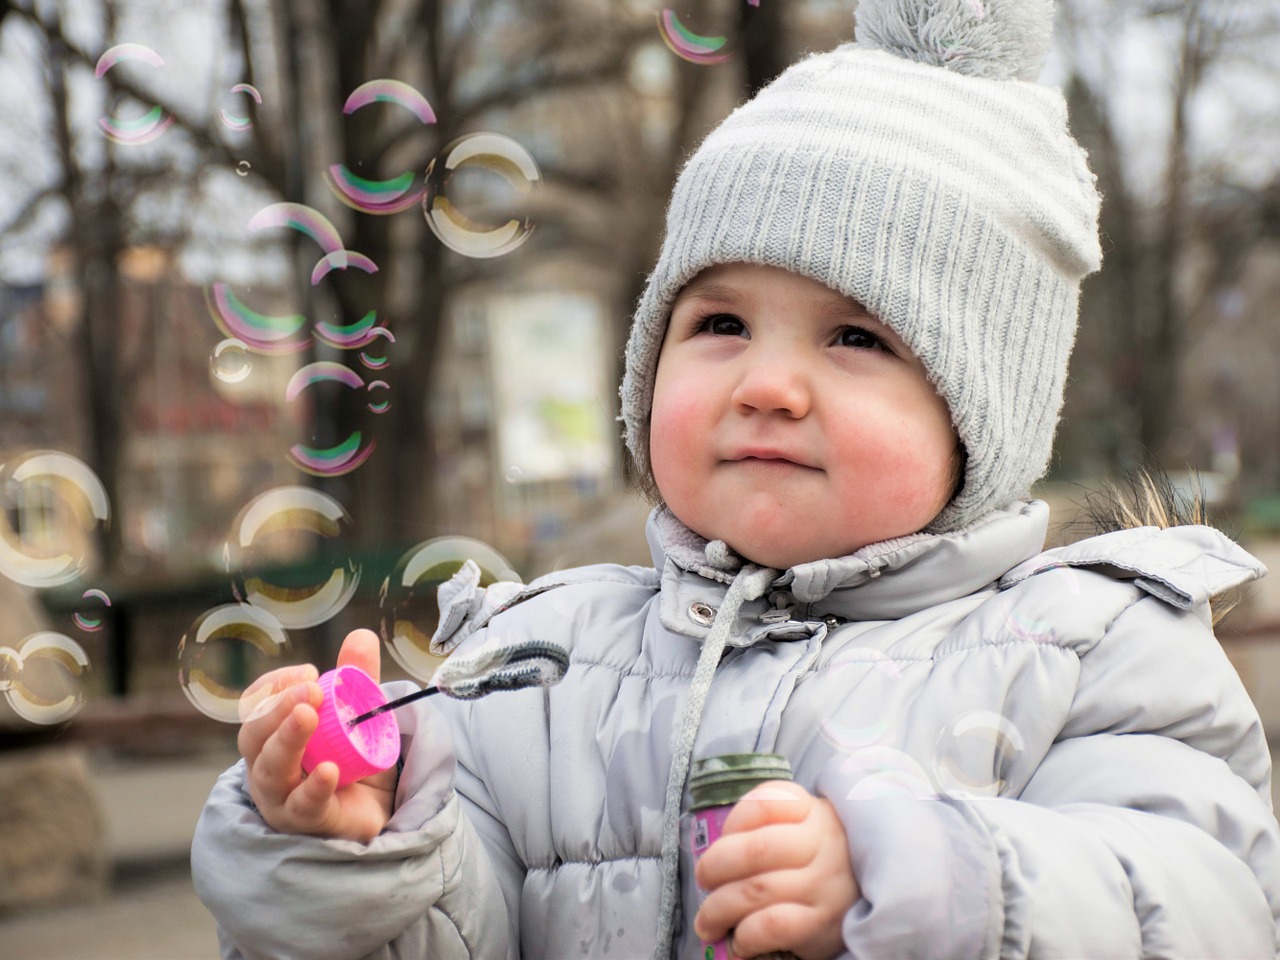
[726, 779]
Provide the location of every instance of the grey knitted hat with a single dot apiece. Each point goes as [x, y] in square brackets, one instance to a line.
[922, 172]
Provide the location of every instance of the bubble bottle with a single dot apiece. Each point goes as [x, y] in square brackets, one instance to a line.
[715, 785]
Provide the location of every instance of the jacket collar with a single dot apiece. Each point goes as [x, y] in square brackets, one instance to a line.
[882, 581]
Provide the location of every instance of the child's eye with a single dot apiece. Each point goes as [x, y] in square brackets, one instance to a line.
[860, 338]
[722, 325]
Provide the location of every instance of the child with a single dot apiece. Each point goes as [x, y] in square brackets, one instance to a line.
[844, 373]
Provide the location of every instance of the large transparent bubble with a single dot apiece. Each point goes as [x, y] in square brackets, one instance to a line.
[52, 508]
[226, 649]
[285, 554]
[332, 456]
[974, 752]
[143, 123]
[408, 611]
[44, 679]
[372, 195]
[448, 180]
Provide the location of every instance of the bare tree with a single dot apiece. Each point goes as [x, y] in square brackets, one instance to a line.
[1175, 233]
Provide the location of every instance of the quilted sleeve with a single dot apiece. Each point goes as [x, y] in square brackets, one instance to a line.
[427, 886]
[1145, 830]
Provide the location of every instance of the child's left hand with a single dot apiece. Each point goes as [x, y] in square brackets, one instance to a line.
[780, 876]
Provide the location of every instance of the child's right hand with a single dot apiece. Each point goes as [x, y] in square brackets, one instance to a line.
[281, 715]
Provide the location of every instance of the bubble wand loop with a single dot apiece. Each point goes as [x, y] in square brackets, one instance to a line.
[534, 663]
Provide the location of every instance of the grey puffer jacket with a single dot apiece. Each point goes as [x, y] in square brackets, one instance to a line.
[1032, 754]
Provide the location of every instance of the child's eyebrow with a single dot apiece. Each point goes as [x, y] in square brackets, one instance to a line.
[845, 308]
[710, 290]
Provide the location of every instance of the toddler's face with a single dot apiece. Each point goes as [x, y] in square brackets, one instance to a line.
[790, 423]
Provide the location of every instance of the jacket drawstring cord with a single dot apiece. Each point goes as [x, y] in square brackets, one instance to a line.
[750, 583]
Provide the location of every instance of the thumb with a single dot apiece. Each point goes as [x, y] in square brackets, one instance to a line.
[777, 801]
[360, 649]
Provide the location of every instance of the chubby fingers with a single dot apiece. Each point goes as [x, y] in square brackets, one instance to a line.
[268, 705]
[779, 875]
[276, 769]
[264, 693]
[773, 802]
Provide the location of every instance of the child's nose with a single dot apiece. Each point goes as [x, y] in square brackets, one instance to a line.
[774, 382]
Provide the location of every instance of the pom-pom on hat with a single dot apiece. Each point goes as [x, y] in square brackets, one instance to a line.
[922, 172]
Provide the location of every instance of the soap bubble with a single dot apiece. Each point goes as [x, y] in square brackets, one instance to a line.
[376, 354]
[341, 455]
[878, 772]
[51, 504]
[243, 168]
[478, 151]
[48, 685]
[10, 665]
[408, 611]
[226, 649]
[235, 119]
[305, 220]
[231, 362]
[89, 617]
[393, 195]
[379, 401]
[974, 751]
[247, 329]
[686, 44]
[280, 554]
[848, 738]
[153, 121]
[351, 336]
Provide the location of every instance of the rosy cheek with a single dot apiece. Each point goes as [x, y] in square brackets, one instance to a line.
[674, 431]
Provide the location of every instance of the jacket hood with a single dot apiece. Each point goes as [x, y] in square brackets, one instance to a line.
[881, 581]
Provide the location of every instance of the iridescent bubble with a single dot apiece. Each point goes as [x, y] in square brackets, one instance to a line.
[305, 220]
[393, 195]
[259, 332]
[847, 738]
[686, 44]
[226, 649]
[483, 151]
[974, 751]
[237, 121]
[243, 168]
[876, 772]
[514, 475]
[390, 91]
[338, 458]
[376, 354]
[10, 666]
[381, 402]
[341, 260]
[49, 684]
[89, 618]
[408, 611]
[53, 505]
[231, 362]
[281, 555]
[126, 51]
[154, 121]
[350, 336]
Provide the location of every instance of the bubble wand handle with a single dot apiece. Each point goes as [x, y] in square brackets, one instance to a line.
[391, 705]
[517, 666]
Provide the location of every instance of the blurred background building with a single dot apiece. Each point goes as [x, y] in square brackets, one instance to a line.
[293, 291]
